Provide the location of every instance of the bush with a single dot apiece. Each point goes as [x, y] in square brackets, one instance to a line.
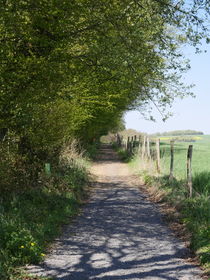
[32, 217]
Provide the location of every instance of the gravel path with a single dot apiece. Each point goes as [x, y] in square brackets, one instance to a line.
[119, 236]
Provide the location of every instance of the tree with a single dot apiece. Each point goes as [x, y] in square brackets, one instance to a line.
[74, 67]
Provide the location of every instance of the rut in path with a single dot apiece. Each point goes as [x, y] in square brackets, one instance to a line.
[119, 236]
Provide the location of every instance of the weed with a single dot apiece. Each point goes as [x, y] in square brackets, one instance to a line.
[194, 212]
[123, 154]
[92, 150]
[31, 218]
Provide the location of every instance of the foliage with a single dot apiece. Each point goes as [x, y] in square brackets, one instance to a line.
[130, 133]
[70, 69]
[123, 154]
[124, 134]
[92, 150]
[30, 218]
[180, 138]
[195, 211]
[179, 133]
[201, 183]
[73, 68]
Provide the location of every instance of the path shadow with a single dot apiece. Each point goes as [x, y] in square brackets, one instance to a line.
[119, 236]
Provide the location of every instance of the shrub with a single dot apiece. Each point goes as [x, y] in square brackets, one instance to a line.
[33, 216]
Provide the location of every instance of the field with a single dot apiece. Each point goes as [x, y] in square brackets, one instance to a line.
[200, 159]
[194, 211]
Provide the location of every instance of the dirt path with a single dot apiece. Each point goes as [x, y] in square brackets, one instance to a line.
[119, 236]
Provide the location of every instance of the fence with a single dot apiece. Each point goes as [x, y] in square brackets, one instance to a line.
[142, 146]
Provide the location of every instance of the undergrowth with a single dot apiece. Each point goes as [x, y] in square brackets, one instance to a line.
[194, 212]
[124, 155]
[92, 150]
[31, 218]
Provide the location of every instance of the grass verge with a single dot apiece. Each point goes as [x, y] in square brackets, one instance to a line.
[192, 213]
[32, 218]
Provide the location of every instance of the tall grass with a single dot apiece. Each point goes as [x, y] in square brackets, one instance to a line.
[195, 211]
[31, 218]
[200, 158]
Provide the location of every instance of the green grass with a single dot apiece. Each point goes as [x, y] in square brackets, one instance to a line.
[124, 155]
[200, 158]
[195, 211]
[92, 150]
[30, 219]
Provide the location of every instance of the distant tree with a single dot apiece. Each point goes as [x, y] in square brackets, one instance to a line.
[179, 132]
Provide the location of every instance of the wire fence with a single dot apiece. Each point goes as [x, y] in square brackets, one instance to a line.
[149, 150]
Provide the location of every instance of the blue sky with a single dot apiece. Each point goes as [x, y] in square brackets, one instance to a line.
[189, 113]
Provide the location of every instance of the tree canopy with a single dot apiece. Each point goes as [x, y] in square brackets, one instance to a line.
[72, 68]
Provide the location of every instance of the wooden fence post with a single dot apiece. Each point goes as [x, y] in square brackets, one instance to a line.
[139, 140]
[127, 147]
[148, 148]
[121, 141]
[171, 176]
[189, 169]
[139, 144]
[143, 150]
[124, 144]
[158, 154]
[134, 143]
[118, 140]
[131, 147]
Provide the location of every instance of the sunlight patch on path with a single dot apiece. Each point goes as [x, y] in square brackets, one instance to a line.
[119, 236]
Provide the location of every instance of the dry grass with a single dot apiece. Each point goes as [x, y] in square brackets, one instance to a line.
[73, 155]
